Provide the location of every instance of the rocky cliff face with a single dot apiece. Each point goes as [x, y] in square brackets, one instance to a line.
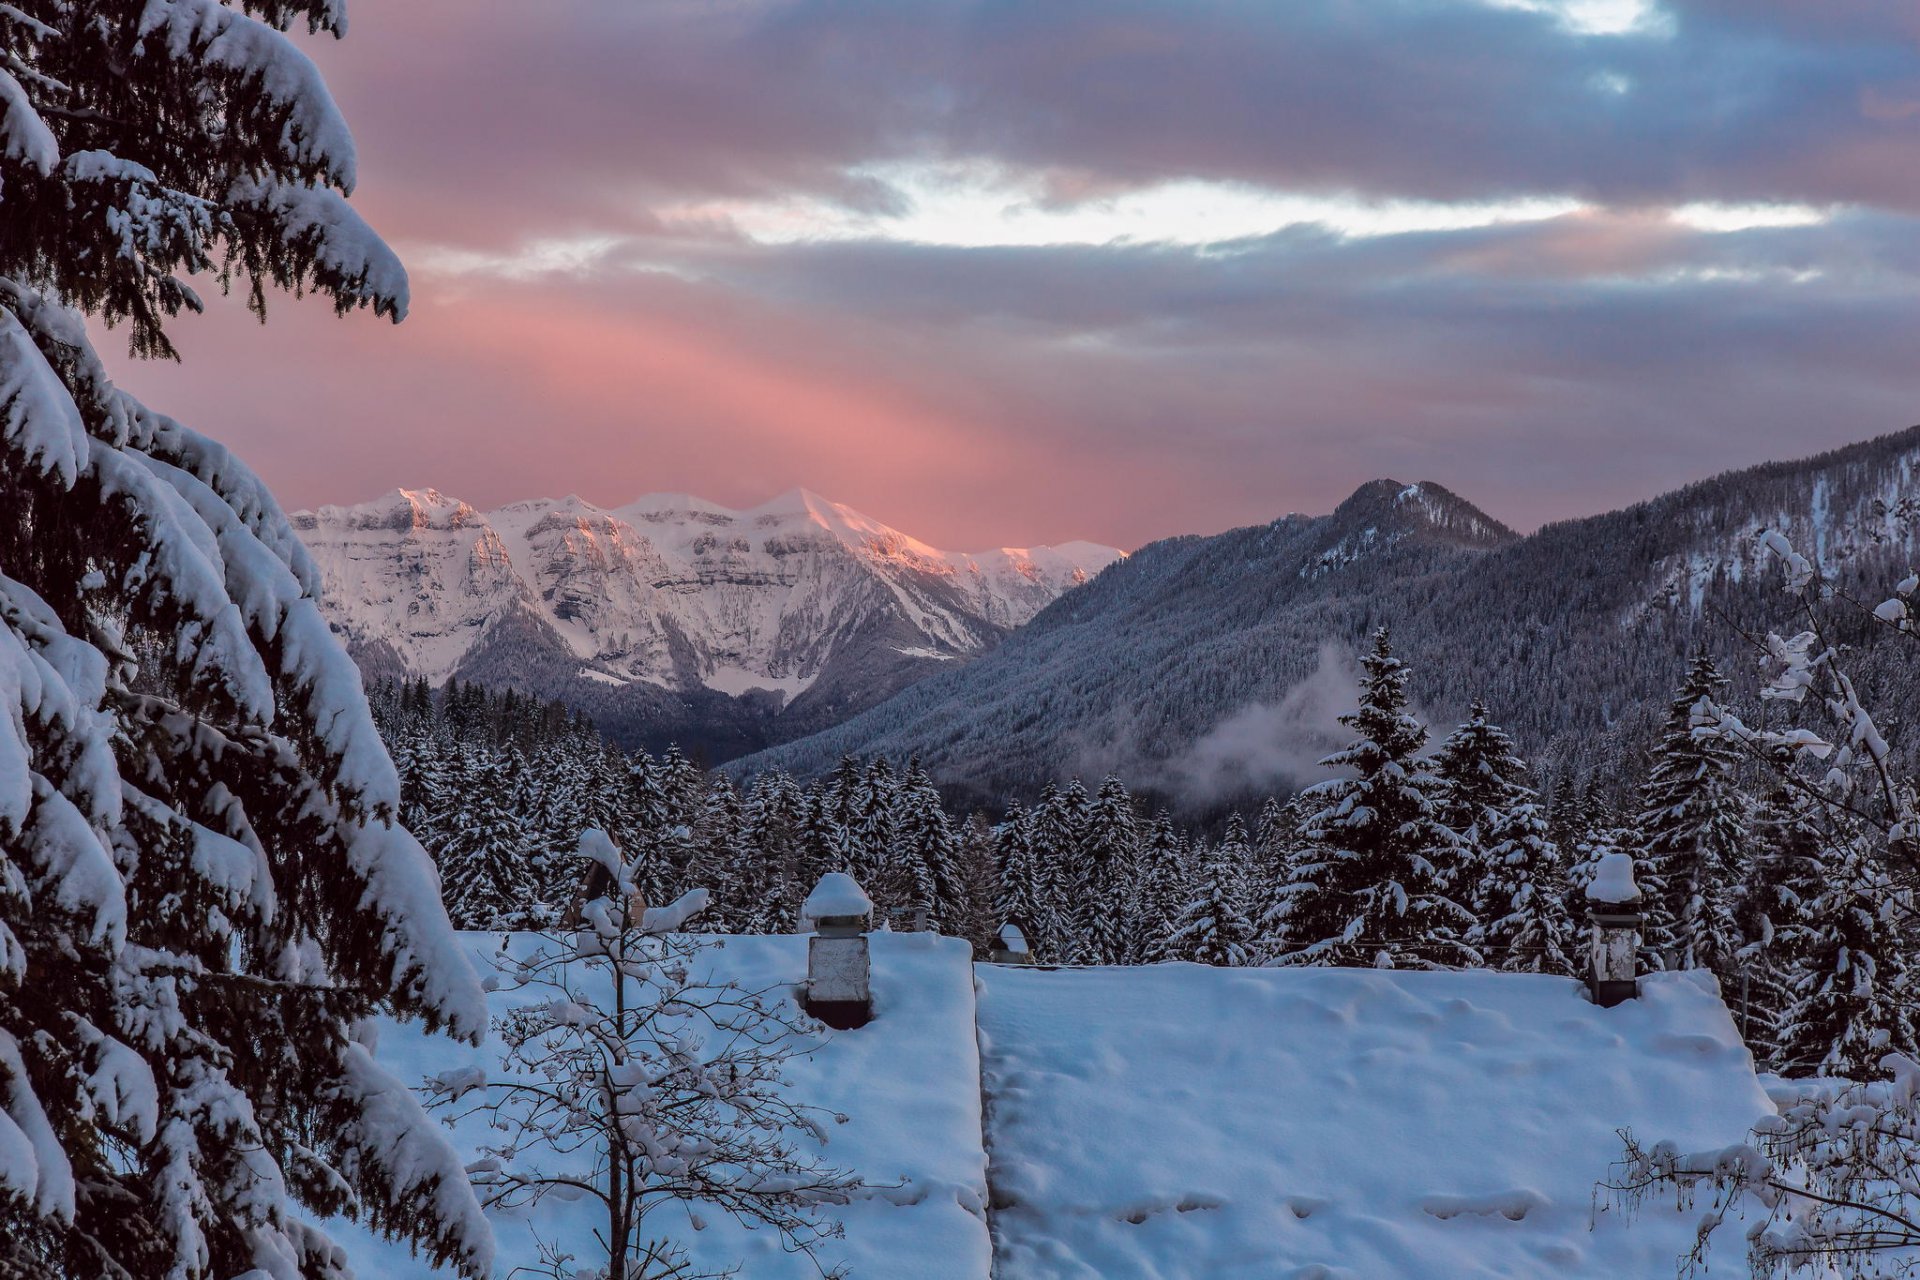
[672, 617]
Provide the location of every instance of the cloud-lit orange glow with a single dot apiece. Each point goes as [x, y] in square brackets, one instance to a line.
[1002, 276]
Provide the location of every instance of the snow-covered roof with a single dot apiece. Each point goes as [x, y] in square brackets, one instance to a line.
[1181, 1121]
[837, 894]
[1191, 1123]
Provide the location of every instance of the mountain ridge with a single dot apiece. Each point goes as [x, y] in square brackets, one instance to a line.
[671, 615]
[1191, 659]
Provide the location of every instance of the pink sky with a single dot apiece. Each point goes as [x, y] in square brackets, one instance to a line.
[1000, 276]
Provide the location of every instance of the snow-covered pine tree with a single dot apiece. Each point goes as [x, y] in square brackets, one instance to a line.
[1274, 837]
[487, 859]
[554, 800]
[658, 841]
[1022, 891]
[1690, 825]
[1277, 852]
[1780, 878]
[822, 845]
[1521, 922]
[870, 837]
[1109, 858]
[979, 870]
[719, 845]
[1852, 989]
[768, 877]
[1166, 886]
[1058, 825]
[1214, 927]
[201, 882]
[1509, 867]
[683, 787]
[427, 786]
[924, 843]
[1366, 889]
[1480, 774]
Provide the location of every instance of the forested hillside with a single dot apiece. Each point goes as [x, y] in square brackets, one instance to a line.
[1205, 669]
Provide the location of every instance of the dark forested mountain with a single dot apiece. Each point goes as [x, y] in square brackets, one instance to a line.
[671, 619]
[1204, 667]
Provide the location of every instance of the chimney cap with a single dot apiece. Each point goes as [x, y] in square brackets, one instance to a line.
[1612, 883]
[837, 900]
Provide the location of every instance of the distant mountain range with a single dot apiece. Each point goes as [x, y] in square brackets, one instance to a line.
[1213, 666]
[672, 618]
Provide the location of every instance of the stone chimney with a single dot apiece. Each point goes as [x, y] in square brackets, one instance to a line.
[839, 970]
[1010, 947]
[1614, 909]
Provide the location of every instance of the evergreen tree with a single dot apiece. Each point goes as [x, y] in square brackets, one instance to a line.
[977, 919]
[1058, 826]
[1780, 879]
[1509, 868]
[1274, 838]
[870, 842]
[1163, 892]
[926, 845]
[1481, 775]
[1519, 899]
[201, 882]
[822, 846]
[1852, 991]
[1690, 826]
[1278, 853]
[719, 847]
[1102, 899]
[1021, 889]
[1214, 928]
[663, 822]
[1367, 890]
[488, 877]
[768, 877]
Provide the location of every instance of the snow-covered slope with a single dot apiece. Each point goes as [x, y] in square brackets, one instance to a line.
[1190, 1123]
[670, 592]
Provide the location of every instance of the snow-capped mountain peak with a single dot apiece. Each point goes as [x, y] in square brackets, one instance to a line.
[670, 590]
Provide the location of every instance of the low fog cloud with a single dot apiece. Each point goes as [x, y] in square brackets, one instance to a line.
[1272, 746]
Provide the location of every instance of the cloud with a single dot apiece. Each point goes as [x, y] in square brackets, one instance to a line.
[481, 123]
[1007, 273]
[1266, 748]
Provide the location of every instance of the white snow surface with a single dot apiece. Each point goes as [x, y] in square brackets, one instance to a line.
[1180, 1121]
[760, 598]
[908, 1083]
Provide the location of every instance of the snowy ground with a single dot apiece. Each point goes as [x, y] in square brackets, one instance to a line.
[1181, 1121]
[909, 1083]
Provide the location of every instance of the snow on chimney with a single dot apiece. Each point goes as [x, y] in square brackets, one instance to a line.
[1010, 947]
[1616, 916]
[839, 970]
